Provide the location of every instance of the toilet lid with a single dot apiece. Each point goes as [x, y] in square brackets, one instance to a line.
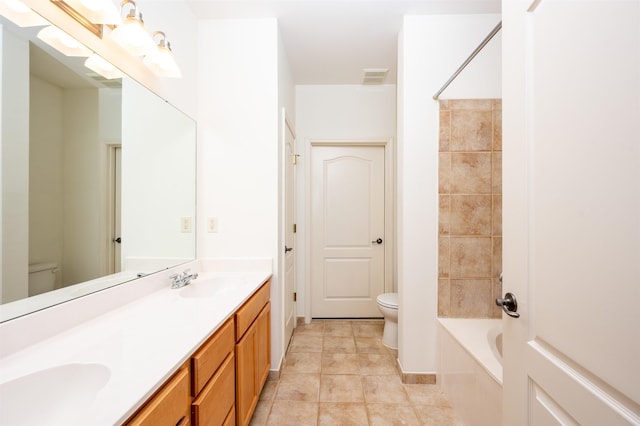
[388, 300]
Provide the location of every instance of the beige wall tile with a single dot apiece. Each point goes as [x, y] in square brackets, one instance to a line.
[471, 130]
[496, 104]
[444, 257]
[445, 130]
[496, 254]
[470, 298]
[495, 311]
[444, 104]
[470, 257]
[470, 173]
[444, 215]
[496, 173]
[444, 173]
[444, 298]
[496, 216]
[471, 215]
[471, 104]
[497, 130]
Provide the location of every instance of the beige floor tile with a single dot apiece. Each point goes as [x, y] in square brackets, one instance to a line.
[368, 329]
[341, 388]
[426, 395]
[376, 364]
[261, 413]
[268, 390]
[293, 413]
[437, 416]
[302, 362]
[306, 343]
[339, 363]
[391, 414]
[338, 328]
[332, 414]
[298, 387]
[314, 327]
[371, 345]
[384, 390]
[338, 344]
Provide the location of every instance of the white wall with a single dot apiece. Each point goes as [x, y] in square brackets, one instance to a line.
[46, 147]
[326, 112]
[238, 158]
[14, 165]
[430, 49]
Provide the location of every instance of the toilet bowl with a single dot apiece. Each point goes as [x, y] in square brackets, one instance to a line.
[388, 305]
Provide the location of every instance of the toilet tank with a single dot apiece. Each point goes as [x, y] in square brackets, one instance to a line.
[42, 277]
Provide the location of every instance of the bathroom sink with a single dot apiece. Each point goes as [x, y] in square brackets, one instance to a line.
[211, 287]
[57, 395]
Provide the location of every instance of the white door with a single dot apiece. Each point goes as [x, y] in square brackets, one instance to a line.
[571, 211]
[289, 233]
[347, 230]
[114, 188]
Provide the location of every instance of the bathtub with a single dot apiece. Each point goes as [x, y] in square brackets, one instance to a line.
[470, 368]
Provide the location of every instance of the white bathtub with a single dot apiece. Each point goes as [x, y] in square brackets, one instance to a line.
[470, 368]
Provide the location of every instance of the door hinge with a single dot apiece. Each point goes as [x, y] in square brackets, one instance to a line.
[295, 228]
[294, 158]
[295, 296]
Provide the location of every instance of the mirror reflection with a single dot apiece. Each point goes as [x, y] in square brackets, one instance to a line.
[98, 178]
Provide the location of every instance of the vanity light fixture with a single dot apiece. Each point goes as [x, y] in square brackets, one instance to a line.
[97, 11]
[131, 35]
[62, 42]
[21, 14]
[101, 66]
[161, 60]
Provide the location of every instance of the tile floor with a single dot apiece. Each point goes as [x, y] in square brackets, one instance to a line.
[338, 372]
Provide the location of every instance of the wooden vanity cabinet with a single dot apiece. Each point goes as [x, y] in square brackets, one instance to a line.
[221, 383]
[253, 352]
[169, 405]
[213, 379]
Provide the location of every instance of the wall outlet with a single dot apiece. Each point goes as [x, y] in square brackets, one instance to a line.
[185, 224]
[212, 224]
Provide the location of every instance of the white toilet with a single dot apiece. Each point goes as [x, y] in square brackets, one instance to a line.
[42, 277]
[388, 305]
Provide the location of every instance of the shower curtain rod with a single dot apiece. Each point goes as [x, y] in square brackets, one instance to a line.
[486, 40]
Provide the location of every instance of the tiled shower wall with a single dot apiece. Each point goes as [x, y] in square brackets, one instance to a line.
[470, 219]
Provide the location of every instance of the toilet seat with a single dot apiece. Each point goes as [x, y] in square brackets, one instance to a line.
[388, 300]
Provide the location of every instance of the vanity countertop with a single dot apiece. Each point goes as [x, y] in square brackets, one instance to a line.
[122, 356]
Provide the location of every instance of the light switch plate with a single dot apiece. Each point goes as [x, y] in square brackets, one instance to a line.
[212, 224]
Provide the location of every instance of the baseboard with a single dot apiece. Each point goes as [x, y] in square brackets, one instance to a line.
[416, 378]
[300, 321]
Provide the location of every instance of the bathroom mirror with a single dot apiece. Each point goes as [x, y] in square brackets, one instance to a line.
[98, 177]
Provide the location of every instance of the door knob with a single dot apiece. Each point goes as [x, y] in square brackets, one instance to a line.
[117, 240]
[378, 241]
[509, 305]
[287, 249]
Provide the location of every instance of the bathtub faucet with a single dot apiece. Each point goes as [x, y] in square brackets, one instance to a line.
[182, 279]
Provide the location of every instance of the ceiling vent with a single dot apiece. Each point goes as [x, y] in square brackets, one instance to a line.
[374, 75]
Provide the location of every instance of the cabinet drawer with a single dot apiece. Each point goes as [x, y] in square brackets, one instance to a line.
[210, 356]
[217, 399]
[169, 406]
[250, 310]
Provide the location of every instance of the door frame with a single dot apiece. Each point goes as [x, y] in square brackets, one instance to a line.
[389, 208]
[110, 215]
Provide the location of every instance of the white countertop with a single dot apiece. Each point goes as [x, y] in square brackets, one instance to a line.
[137, 347]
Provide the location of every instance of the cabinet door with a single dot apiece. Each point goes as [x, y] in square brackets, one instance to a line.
[169, 406]
[246, 397]
[215, 402]
[263, 347]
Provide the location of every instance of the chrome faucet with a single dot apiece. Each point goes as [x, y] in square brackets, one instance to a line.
[182, 279]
